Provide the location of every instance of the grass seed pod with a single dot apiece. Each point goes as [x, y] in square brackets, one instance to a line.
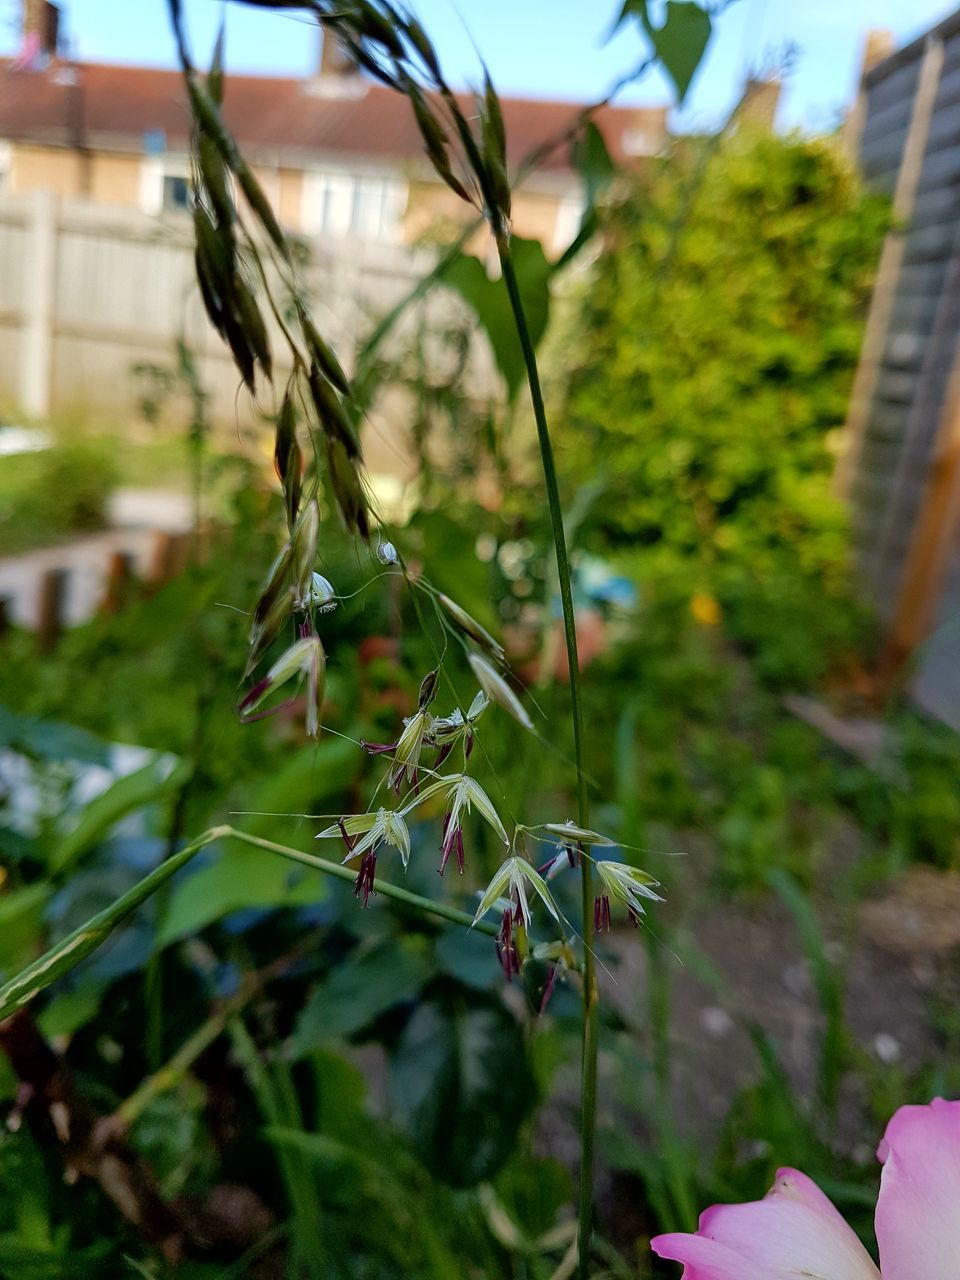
[322, 353]
[268, 623]
[207, 115]
[421, 42]
[209, 293]
[334, 418]
[239, 346]
[288, 457]
[470, 626]
[374, 26]
[213, 173]
[305, 538]
[347, 489]
[215, 74]
[253, 326]
[435, 141]
[497, 690]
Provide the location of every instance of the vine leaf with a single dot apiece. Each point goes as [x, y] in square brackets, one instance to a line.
[488, 300]
[592, 160]
[461, 1086]
[679, 43]
[360, 990]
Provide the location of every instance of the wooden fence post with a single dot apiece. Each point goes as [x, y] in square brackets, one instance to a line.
[928, 558]
[169, 556]
[933, 403]
[53, 598]
[36, 365]
[879, 45]
[891, 261]
[119, 572]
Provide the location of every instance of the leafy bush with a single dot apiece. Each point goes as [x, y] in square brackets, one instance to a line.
[50, 495]
[718, 343]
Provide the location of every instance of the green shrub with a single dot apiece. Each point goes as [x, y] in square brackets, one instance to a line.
[50, 495]
[716, 362]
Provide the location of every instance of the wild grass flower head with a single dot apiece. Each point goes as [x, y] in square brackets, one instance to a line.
[624, 884]
[462, 795]
[303, 660]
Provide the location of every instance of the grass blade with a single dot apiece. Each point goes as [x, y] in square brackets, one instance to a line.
[78, 944]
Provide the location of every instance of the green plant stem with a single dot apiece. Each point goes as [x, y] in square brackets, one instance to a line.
[588, 1086]
[68, 953]
[392, 891]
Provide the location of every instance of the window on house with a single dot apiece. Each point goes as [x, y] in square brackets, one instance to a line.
[164, 184]
[345, 204]
[176, 193]
[570, 211]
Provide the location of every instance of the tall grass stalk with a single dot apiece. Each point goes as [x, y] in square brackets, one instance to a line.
[468, 151]
[588, 1075]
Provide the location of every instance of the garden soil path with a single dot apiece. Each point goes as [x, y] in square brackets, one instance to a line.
[743, 961]
[896, 951]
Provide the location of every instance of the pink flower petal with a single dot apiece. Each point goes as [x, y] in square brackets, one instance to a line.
[794, 1231]
[918, 1213]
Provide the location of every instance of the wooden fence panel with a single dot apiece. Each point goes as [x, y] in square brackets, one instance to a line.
[118, 289]
[902, 466]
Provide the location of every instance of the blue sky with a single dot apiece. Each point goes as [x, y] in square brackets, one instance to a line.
[538, 47]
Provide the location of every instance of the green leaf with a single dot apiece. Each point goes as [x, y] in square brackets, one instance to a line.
[244, 876]
[340, 1089]
[534, 1192]
[76, 946]
[48, 740]
[127, 794]
[240, 877]
[327, 1151]
[593, 162]
[590, 157]
[316, 774]
[458, 572]
[21, 918]
[16, 847]
[40, 1262]
[67, 1013]
[461, 1085]
[680, 43]
[468, 957]
[359, 990]
[488, 299]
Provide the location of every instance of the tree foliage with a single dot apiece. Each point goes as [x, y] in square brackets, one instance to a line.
[719, 338]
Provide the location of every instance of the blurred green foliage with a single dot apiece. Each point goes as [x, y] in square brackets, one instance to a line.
[404, 1182]
[717, 341]
[391, 1107]
[55, 492]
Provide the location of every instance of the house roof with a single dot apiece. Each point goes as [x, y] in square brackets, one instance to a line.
[115, 107]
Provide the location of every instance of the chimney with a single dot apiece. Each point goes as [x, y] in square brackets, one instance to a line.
[337, 76]
[41, 27]
[335, 59]
[760, 101]
[645, 132]
[879, 45]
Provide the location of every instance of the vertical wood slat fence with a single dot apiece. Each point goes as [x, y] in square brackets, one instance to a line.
[87, 291]
[901, 463]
